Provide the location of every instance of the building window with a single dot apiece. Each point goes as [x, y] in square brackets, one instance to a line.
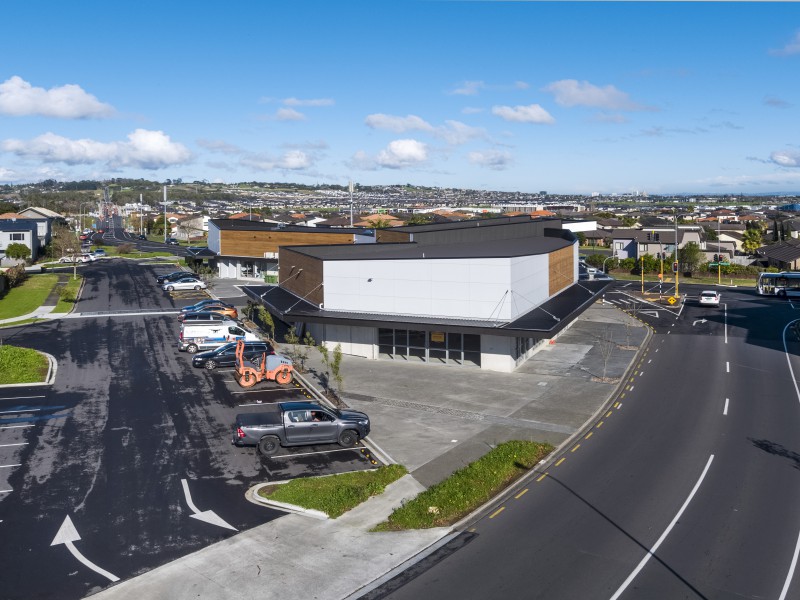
[436, 347]
[619, 245]
[16, 237]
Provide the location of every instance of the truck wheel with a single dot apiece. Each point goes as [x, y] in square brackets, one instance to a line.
[283, 376]
[348, 438]
[192, 348]
[268, 445]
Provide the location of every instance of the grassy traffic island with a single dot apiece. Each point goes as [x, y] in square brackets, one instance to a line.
[441, 505]
[22, 365]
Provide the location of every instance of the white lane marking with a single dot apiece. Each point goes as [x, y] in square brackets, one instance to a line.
[21, 397]
[17, 444]
[9, 466]
[726, 323]
[6, 491]
[664, 535]
[725, 410]
[650, 360]
[24, 410]
[207, 516]
[67, 534]
[793, 563]
[14, 426]
[727, 367]
[641, 373]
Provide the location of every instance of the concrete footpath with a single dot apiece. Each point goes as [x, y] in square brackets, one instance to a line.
[433, 420]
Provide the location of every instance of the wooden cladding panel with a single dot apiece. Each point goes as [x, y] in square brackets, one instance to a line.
[388, 236]
[256, 243]
[302, 275]
[562, 266]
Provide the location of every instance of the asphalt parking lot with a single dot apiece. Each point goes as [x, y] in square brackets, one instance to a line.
[125, 463]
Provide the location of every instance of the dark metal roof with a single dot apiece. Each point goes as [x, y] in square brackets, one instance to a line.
[245, 225]
[545, 320]
[412, 250]
[787, 251]
[466, 224]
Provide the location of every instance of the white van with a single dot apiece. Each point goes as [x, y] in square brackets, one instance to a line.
[207, 336]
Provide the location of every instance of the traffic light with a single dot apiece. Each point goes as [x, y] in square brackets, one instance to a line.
[716, 258]
[675, 267]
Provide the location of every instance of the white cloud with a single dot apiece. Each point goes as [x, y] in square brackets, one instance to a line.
[219, 146]
[308, 102]
[289, 114]
[456, 132]
[786, 158]
[570, 92]
[402, 153]
[521, 85]
[496, 160]
[7, 174]
[293, 160]
[19, 98]
[533, 113]
[144, 149]
[469, 88]
[397, 124]
[471, 110]
[791, 47]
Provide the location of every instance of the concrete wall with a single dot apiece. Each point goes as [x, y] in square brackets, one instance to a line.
[496, 353]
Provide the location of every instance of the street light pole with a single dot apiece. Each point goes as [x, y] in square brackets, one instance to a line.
[165, 214]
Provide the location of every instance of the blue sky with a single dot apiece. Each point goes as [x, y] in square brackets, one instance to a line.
[566, 97]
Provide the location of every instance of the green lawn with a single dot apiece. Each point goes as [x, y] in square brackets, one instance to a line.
[21, 365]
[337, 494]
[468, 488]
[73, 285]
[27, 297]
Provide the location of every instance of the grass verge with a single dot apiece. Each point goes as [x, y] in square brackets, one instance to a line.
[27, 297]
[465, 490]
[72, 286]
[337, 494]
[21, 365]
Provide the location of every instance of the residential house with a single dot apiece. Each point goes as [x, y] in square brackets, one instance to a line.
[784, 255]
[19, 231]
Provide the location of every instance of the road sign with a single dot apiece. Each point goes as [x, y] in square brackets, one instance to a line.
[719, 264]
[671, 300]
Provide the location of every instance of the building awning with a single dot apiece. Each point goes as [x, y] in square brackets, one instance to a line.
[545, 320]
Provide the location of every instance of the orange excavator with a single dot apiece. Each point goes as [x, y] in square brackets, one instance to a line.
[272, 367]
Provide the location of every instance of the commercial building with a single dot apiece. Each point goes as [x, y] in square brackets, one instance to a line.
[477, 293]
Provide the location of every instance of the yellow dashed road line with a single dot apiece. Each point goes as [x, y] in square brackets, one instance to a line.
[497, 512]
[560, 460]
[542, 476]
[521, 494]
[575, 447]
[588, 435]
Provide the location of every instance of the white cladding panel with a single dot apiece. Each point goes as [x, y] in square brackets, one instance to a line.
[529, 282]
[467, 288]
[213, 240]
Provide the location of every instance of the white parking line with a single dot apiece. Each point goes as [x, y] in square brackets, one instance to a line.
[21, 397]
[6, 491]
[13, 426]
[9, 445]
[9, 466]
[725, 410]
[24, 410]
[259, 390]
[312, 453]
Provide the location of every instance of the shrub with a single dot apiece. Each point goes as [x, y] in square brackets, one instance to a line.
[16, 276]
[17, 250]
[125, 248]
[66, 294]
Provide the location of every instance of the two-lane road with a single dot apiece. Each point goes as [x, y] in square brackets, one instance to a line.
[686, 488]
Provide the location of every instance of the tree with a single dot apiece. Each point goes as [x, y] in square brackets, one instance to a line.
[581, 238]
[18, 251]
[690, 257]
[711, 233]
[751, 240]
[333, 364]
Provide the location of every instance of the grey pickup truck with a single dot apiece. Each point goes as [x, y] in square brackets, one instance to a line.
[299, 424]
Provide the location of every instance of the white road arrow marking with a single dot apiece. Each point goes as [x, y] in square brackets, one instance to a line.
[68, 534]
[699, 321]
[208, 516]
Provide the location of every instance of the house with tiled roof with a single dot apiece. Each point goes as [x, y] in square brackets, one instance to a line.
[783, 255]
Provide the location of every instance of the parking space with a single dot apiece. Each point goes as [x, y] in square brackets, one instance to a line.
[193, 295]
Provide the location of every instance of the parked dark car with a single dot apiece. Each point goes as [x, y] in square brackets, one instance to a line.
[299, 424]
[141, 237]
[174, 276]
[225, 356]
[198, 306]
[172, 242]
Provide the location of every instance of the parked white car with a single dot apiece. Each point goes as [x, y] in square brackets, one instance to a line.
[709, 298]
[185, 283]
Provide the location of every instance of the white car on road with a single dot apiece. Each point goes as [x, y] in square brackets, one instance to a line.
[185, 283]
[709, 298]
